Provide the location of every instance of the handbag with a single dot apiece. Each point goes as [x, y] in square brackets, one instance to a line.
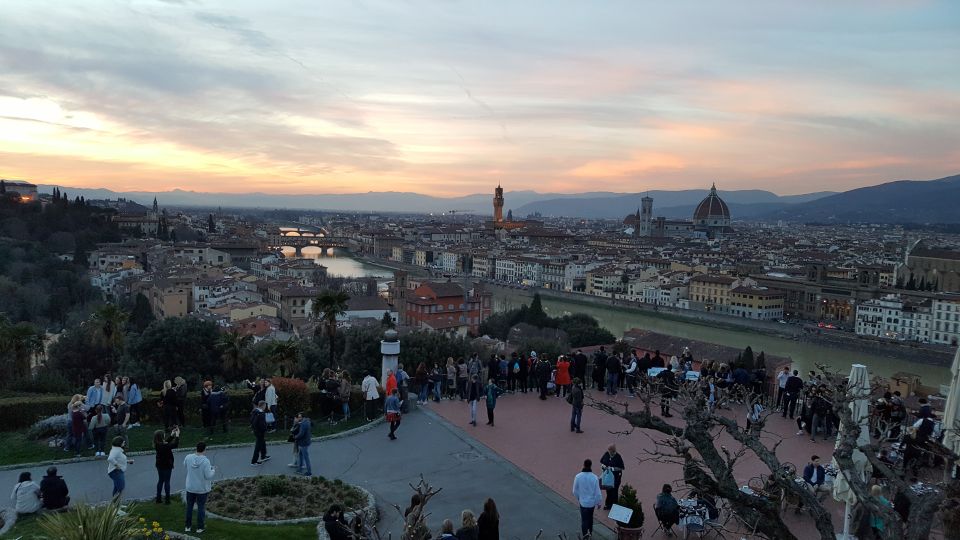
[607, 480]
[269, 418]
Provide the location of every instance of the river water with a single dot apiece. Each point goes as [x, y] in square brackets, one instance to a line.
[339, 262]
[805, 355]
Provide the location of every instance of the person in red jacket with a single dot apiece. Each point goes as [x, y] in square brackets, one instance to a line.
[391, 383]
[563, 376]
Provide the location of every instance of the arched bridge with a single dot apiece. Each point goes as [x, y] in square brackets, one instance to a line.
[299, 239]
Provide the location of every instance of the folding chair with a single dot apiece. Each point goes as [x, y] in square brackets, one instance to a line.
[666, 527]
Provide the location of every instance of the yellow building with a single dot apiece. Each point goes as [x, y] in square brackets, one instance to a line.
[756, 303]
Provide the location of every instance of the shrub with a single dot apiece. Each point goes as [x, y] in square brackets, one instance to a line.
[271, 486]
[48, 427]
[44, 381]
[86, 522]
[21, 412]
[628, 499]
[292, 395]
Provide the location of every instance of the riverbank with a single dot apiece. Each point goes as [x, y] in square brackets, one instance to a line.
[828, 339]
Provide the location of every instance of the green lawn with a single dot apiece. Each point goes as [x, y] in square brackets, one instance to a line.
[171, 517]
[15, 447]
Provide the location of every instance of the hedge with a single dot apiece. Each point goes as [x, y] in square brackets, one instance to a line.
[22, 412]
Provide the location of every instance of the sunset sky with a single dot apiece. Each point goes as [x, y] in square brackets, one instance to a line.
[448, 98]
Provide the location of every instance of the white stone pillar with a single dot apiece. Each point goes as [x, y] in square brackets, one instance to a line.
[390, 349]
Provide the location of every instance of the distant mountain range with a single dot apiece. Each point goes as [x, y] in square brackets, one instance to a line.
[933, 201]
[904, 201]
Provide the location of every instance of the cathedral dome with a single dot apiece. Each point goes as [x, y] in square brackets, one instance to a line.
[711, 208]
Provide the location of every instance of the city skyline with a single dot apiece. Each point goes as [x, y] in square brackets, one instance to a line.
[447, 100]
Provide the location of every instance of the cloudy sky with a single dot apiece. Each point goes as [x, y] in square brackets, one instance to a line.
[449, 98]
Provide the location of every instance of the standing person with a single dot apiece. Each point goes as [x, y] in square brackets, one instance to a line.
[600, 368]
[99, 425]
[270, 397]
[543, 374]
[368, 387]
[791, 392]
[117, 463]
[468, 526]
[78, 427]
[164, 445]
[474, 391]
[576, 401]
[219, 404]
[54, 491]
[181, 388]
[782, 379]
[580, 365]
[134, 398]
[462, 379]
[293, 439]
[121, 417]
[422, 378]
[345, 390]
[393, 407]
[403, 384]
[391, 383]
[206, 414]
[563, 376]
[668, 390]
[302, 439]
[876, 521]
[613, 462]
[200, 474]
[258, 423]
[109, 390]
[258, 390]
[613, 374]
[633, 366]
[643, 369]
[437, 376]
[657, 360]
[492, 392]
[488, 525]
[821, 408]
[94, 394]
[451, 389]
[169, 400]
[513, 367]
[586, 489]
[26, 495]
[523, 373]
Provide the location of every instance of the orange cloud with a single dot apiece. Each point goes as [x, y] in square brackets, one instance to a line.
[640, 163]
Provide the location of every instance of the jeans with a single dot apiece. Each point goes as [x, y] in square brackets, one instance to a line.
[346, 410]
[118, 482]
[489, 415]
[575, 418]
[259, 448]
[820, 421]
[99, 438]
[437, 392]
[473, 412]
[586, 520]
[789, 404]
[200, 499]
[303, 460]
[780, 393]
[273, 409]
[612, 384]
[423, 393]
[163, 481]
[632, 384]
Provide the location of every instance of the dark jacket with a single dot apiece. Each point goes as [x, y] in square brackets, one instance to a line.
[165, 453]
[793, 385]
[643, 365]
[576, 396]
[580, 366]
[170, 399]
[657, 361]
[258, 422]
[467, 533]
[474, 391]
[337, 528]
[302, 437]
[613, 364]
[543, 370]
[808, 474]
[615, 461]
[488, 527]
[54, 492]
[669, 381]
[599, 363]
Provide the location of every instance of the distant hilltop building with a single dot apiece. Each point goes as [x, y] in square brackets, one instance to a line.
[711, 219]
[930, 268]
[26, 190]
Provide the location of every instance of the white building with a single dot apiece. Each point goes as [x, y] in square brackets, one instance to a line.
[892, 318]
[506, 270]
[945, 323]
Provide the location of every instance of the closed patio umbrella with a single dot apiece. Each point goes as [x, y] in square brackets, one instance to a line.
[859, 389]
[951, 413]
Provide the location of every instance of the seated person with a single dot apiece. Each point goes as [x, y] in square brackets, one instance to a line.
[25, 495]
[814, 475]
[335, 524]
[446, 530]
[666, 508]
[54, 490]
[708, 501]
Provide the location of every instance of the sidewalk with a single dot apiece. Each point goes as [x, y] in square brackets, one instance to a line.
[468, 473]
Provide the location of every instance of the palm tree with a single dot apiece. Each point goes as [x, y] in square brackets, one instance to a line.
[23, 342]
[109, 324]
[285, 355]
[233, 347]
[327, 306]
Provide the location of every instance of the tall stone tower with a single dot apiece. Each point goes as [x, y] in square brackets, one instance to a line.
[646, 216]
[498, 205]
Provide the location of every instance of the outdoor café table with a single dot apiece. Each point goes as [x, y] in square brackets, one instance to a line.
[692, 512]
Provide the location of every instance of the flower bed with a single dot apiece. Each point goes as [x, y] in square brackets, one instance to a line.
[277, 498]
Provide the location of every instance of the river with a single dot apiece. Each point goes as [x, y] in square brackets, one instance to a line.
[805, 355]
[340, 262]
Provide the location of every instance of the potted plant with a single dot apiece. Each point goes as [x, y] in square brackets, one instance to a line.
[634, 529]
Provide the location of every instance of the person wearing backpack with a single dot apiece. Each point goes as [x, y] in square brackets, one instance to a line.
[599, 368]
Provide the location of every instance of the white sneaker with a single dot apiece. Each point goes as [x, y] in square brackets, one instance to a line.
[199, 531]
[186, 529]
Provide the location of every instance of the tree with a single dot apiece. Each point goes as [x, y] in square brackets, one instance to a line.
[142, 314]
[79, 356]
[211, 226]
[536, 315]
[327, 306]
[747, 360]
[386, 321]
[20, 343]
[3, 186]
[174, 346]
[285, 356]
[233, 350]
[109, 322]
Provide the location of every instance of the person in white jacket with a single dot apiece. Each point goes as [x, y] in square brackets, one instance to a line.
[270, 396]
[117, 466]
[586, 489]
[200, 474]
[632, 374]
[370, 394]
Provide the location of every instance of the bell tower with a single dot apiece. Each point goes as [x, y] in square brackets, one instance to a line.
[498, 205]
